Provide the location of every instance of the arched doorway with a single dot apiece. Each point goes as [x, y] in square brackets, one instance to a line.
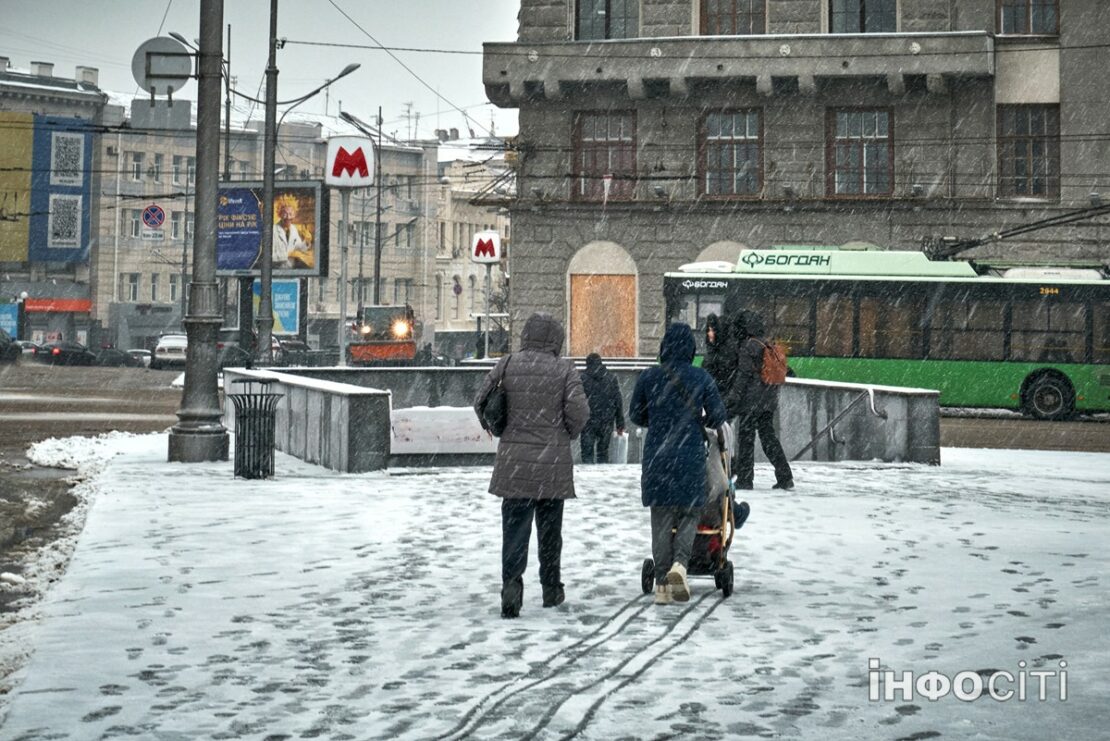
[602, 293]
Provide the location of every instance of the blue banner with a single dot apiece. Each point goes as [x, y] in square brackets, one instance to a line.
[299, 231]
[285, 297]
[9, 318]
[61, 190]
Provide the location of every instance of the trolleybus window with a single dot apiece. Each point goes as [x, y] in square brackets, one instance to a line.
[967, 328]
[1101, 338]
[1045, 331]
[835, 317]
[891, 323]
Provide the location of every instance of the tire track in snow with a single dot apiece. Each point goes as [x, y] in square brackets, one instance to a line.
[478, 712]
[638, 652]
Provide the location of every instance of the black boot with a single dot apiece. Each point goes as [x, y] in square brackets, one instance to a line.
[554, 596]
[743, 509]
[512, 597]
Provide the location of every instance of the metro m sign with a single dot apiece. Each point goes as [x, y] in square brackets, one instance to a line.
[486, 248]
[350, 162]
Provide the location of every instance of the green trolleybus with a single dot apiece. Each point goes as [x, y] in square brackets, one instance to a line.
[1028, 338]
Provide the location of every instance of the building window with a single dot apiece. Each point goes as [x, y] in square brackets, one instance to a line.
[154, 288]
[1029, 17]
[156, 168]
[607, 19]
[456, 296]
[863, 16]
[1029, 151]
[402, 291]
[473, 280]
[136, 165]
[439, 296]
[189, 226]
[174, 284]
[177, 167]
[130, 287]
[192, 170]
[175, 224]
[136, 222]
[731, 153]
[733, 17]
[860, 153]
[605, 155]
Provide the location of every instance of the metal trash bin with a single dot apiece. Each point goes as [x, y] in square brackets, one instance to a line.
[254, 429]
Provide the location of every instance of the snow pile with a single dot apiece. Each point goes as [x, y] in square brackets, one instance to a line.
[88, 456]
[366, 606]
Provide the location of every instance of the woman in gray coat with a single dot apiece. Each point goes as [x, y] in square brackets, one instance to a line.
[534, 471]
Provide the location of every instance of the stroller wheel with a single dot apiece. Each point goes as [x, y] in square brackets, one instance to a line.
[647, 576]
[725, 579]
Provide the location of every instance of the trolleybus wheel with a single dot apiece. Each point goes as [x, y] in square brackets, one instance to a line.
[1049, 396]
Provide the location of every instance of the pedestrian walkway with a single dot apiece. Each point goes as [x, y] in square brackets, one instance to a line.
[334, 606]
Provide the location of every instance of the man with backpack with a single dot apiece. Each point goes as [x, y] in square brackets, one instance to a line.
[752, 398]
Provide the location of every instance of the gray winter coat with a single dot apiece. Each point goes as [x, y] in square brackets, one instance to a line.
[547, 409]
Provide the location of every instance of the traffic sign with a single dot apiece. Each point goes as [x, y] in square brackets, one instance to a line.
[153, 216]
[162, 65]
[350, 162]
[486, 248]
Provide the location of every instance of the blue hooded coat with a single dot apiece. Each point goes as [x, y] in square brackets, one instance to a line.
[673, 469]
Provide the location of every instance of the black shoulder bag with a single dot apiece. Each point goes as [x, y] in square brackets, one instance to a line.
[495, 409]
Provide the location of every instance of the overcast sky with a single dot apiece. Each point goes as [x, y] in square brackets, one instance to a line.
[105, 34]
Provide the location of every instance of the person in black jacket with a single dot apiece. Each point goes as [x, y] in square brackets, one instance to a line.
[720, 354]
[753, 403]
[606, 410]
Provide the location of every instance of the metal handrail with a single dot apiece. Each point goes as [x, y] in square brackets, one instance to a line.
[868, 394]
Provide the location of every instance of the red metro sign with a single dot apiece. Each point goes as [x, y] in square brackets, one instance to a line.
[486, 248]
[350, 162]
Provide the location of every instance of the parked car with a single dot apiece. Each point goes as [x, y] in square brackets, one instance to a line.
[9, 350]
[111, 357]
[65, 353]
[292, 352]
[142, 355]
[170, 351]
[29, 348]
[232, 350]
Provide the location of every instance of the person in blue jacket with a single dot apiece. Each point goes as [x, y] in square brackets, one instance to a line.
[673, 400]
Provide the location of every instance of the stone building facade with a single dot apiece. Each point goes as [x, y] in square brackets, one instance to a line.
[655, 133]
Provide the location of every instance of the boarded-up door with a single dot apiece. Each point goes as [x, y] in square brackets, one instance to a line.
[603, 315]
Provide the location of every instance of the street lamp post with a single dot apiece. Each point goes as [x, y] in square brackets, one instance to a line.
[362, 127]
[198, 435]
[265, 318]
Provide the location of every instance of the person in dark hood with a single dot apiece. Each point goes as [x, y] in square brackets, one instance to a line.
[753, 403]
[720, 354]
[606, 410]
[534, 469]
[673, 400]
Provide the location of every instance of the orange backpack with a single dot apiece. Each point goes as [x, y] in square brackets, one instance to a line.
[773, 372]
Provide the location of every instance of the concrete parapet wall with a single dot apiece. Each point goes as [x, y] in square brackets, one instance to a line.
[871, 422]
[336, 425]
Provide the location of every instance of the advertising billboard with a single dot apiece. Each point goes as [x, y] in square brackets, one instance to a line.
[9, 319]
[300, 229]
[285, 298]
[45, 188]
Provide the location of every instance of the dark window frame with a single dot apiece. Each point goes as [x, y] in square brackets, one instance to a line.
[1007, 152]
[623, 185]
[1027, 12]
[703, 154]
[733, 17]
[831, 148]
[631, 14]
[860, 24]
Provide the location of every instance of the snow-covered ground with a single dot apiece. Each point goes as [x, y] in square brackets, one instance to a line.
[366, 606]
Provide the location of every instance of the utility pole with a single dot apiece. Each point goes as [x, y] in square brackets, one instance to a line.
[199, 435]
[378, 218]
[265, 317]
[361, 251]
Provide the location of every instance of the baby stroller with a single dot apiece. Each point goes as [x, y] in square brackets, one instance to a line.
[720, 519]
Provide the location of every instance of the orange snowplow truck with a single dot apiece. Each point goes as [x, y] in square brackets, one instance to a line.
[383, 335]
